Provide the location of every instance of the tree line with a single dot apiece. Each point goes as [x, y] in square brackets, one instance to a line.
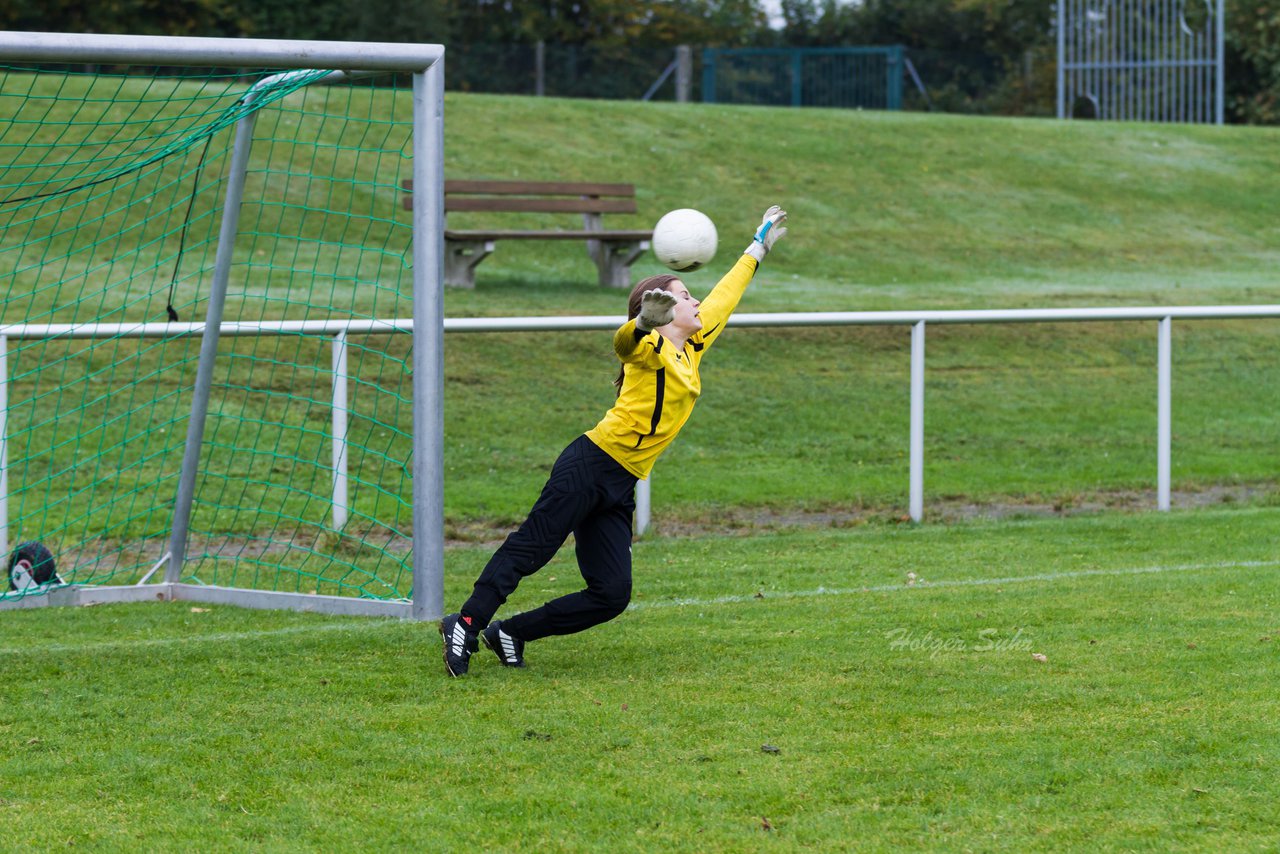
[982, 56]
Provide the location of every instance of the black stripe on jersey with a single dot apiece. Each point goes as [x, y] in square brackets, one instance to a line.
[706, 333]
[659, 391]
[697, 346]
[657, 348]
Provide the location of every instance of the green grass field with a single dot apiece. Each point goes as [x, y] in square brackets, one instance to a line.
[790, 691]
[799, 670]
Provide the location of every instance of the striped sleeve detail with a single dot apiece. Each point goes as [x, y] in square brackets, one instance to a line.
[633, 345]
[702, 336]
[659, 391]
[723, 299]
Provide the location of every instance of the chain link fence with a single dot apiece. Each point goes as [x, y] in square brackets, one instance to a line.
[563, 71]
[917, 80]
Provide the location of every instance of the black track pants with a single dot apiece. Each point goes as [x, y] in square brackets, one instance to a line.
[593, 497]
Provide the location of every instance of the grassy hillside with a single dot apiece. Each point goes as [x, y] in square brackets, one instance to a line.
[889, 211]
[897, 210]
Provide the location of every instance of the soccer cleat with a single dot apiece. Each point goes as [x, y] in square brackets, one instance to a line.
[510, 651]
[458, 644]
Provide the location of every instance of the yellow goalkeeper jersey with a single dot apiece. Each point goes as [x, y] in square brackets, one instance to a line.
[660, 383]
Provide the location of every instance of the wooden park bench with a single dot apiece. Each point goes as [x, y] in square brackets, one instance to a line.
[613, 251]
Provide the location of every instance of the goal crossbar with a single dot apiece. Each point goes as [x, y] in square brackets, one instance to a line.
[216, 52]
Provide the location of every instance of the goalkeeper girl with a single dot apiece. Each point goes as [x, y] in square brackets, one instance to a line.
[591, 490]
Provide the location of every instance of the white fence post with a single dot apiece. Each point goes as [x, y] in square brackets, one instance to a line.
[1164, 419]
[916, 501]
[642, 505]
[340, 509]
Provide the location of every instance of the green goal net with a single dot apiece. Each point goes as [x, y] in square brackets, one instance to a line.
[113, 187]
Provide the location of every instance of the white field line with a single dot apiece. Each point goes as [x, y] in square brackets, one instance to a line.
[369, 624]
[964, 582]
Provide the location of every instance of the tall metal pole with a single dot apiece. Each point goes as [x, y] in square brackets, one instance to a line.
[209, 347]
[1219, 65]
[1061, 58]
[1106, 65]
[1127, 53]
[684, 73]
[797, 78]
[428, 343]
[540, 68]
[708, 76]
[1167, 45]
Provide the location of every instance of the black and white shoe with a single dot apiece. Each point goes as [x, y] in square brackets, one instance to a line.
[510, 651]
[459, 643]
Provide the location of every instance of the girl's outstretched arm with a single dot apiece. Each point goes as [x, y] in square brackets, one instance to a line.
[724, 297]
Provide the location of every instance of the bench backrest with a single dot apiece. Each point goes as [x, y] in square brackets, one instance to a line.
[535, 197]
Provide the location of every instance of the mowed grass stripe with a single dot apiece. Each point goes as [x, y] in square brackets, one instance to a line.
[912, 584]
[382, 624]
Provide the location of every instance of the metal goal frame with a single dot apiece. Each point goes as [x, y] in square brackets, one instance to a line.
[425, 62]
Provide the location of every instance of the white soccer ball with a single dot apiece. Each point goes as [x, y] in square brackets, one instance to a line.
[684, 239]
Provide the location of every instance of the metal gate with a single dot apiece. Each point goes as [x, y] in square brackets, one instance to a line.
[1141, 60]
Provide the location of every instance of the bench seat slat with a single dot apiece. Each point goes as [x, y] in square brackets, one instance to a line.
[462, 186]
[538, 188]
[547, 235]
[513, 204]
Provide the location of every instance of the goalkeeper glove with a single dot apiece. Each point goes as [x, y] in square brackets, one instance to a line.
[657, 308]
[769, 233]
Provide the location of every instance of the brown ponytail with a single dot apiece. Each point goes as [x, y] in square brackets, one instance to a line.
[663, 281]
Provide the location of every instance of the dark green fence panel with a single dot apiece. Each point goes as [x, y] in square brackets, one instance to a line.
[867, 77]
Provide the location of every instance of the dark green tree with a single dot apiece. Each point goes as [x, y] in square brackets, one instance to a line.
[1253, 61]
[973, 55]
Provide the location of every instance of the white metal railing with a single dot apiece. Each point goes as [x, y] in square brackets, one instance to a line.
[918, 320]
